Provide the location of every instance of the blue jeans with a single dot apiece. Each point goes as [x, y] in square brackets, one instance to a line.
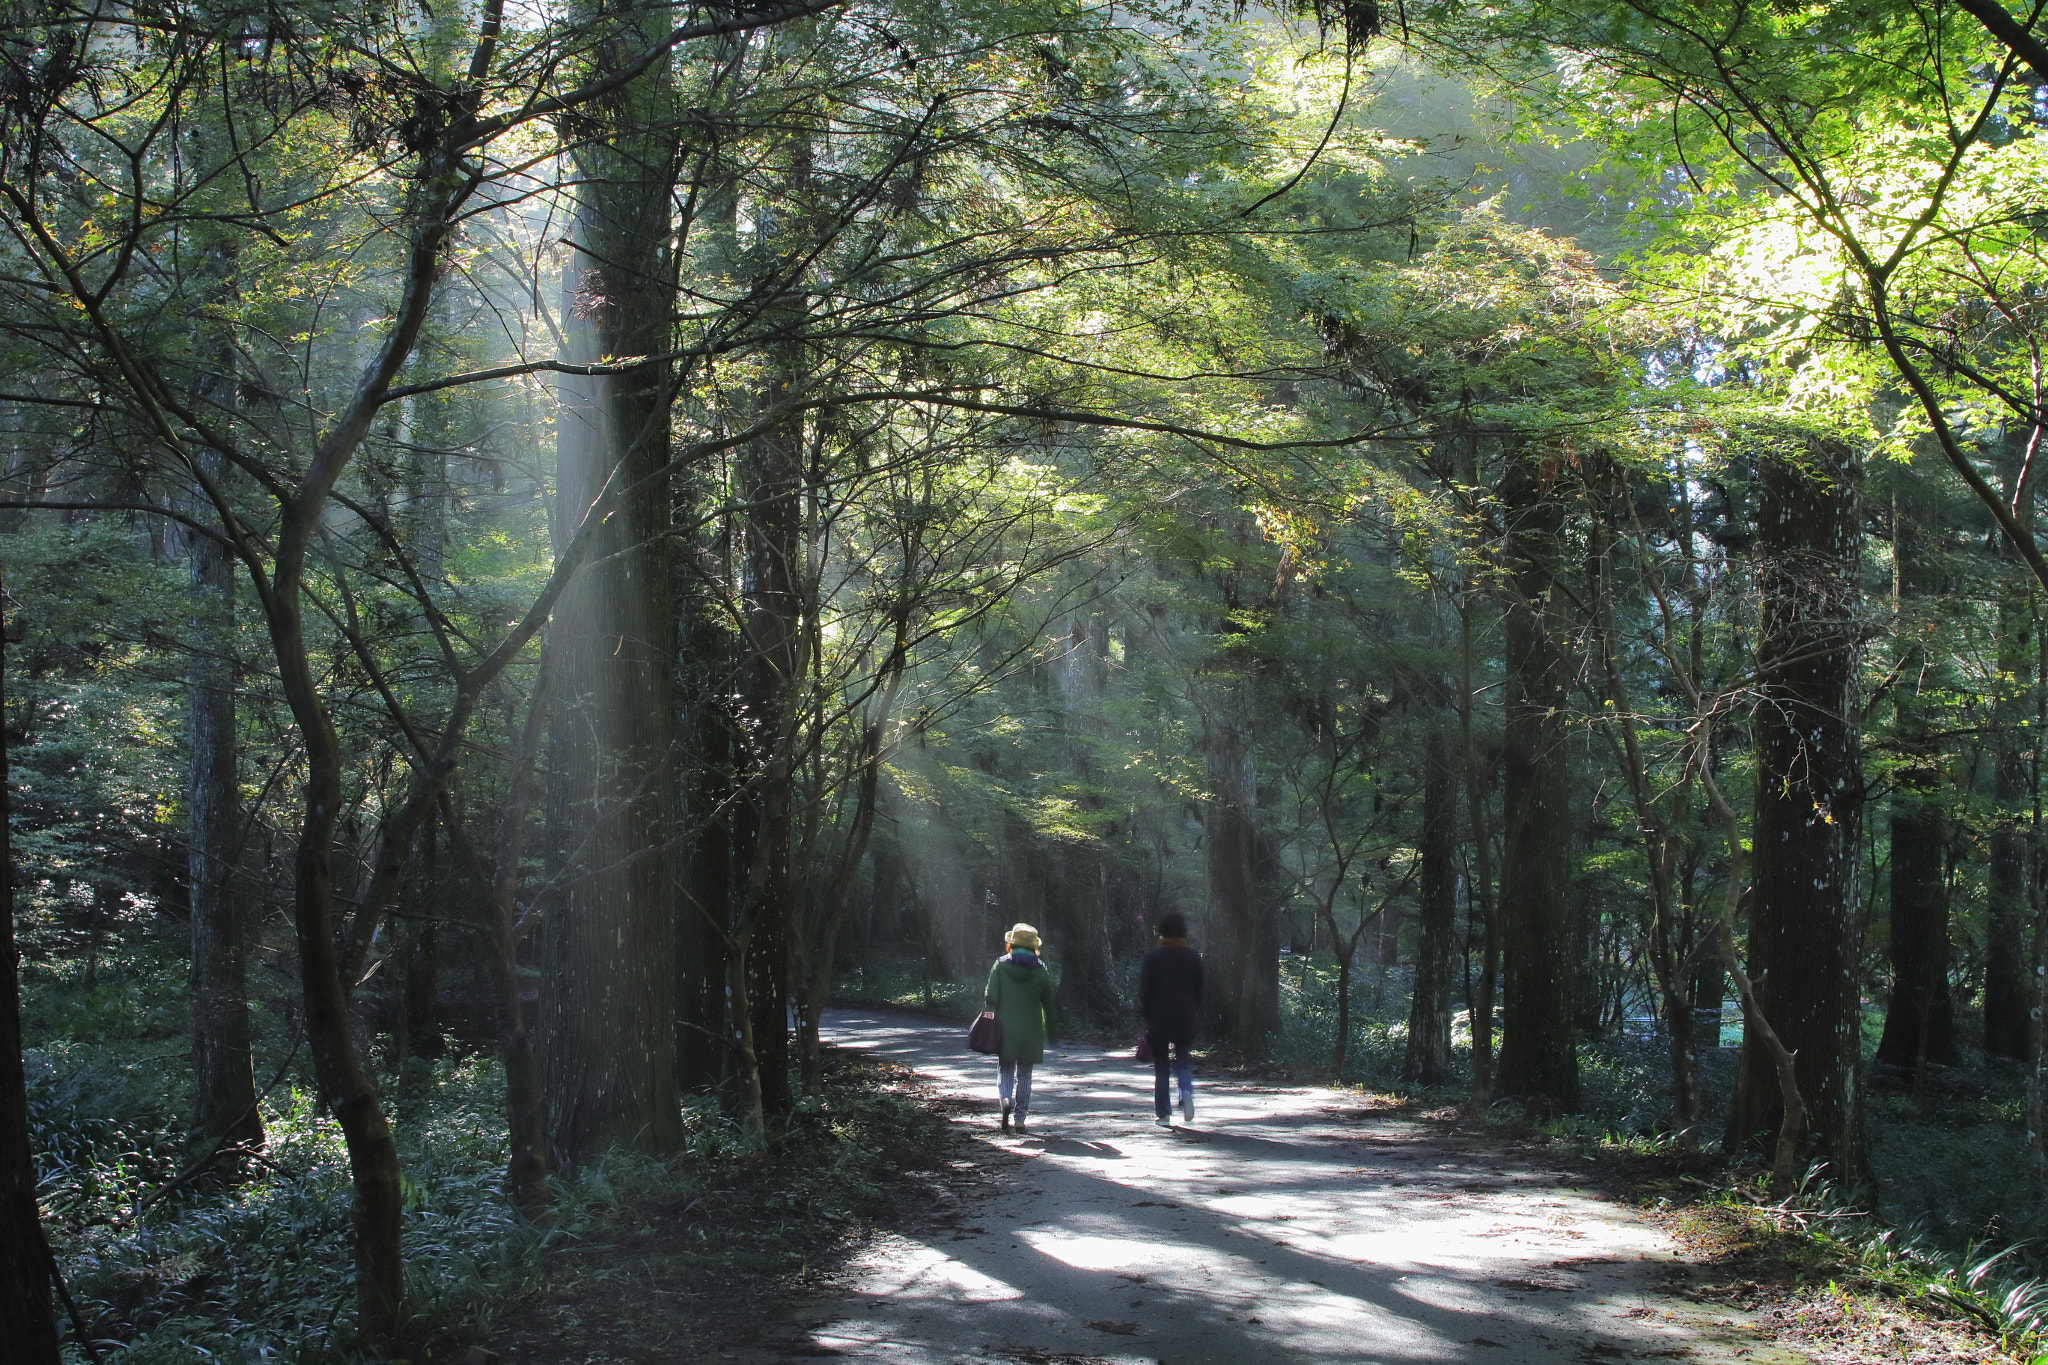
[1014, 1078]
[1183, 1071]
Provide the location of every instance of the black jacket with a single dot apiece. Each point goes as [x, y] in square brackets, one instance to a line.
[1170, 993]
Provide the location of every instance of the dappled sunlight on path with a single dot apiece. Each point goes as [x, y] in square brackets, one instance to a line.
[1283, 1225]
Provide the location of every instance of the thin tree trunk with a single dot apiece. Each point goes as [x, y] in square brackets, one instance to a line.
[526, 1102]
[1477, 789]
[2006, 1031]
[1342, 1047]
[28, 1320]
[1427, 1060]
[420, 978]
[822, 937]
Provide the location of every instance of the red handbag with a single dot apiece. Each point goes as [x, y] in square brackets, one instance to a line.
[985, 1034]
[1144, 1045]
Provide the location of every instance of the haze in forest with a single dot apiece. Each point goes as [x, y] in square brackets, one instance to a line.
[542, 547]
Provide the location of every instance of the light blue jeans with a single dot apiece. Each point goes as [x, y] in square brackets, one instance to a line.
[1183, 1072]
[1014, 1079]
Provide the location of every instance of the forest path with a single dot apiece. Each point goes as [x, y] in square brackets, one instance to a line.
[1284, 1225]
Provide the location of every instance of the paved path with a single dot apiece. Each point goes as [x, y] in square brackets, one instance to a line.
[1285, 1225]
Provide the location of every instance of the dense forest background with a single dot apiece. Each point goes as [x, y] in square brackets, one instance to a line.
[544, 543]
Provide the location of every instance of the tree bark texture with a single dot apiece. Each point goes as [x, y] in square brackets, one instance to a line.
[1428, 1058]
[1538, 1052]
[608, 949]
[223, 1078]
[1805, 930]
[28, 1319]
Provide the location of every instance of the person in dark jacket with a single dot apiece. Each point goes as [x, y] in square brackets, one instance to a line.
[1170, 999]
[1020, 992]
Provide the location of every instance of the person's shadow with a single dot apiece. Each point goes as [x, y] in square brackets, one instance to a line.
[1061, 1146]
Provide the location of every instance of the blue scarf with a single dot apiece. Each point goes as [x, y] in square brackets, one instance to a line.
[1024, 957]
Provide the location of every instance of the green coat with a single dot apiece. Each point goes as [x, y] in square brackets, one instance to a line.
[1022, 1000]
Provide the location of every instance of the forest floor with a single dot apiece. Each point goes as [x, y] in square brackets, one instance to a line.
[1287, 1223]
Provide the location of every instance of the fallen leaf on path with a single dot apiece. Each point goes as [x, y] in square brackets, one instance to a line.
[1116, 1329]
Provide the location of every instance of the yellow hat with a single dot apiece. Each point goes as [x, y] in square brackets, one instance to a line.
[1021, 936]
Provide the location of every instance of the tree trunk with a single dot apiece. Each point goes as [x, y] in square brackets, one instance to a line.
[820, 951]
[420, 962]
[1804, 939]
[2006, 1029]
[1345, 952]
[1538, 1054]
[1919, 1021]
[526, 1104]
[30, 1333]
[608, 1011]
[704, 1023]
[1478, 788]
[1428, 1058]
[772, 473]
[223, 1078]
[1243, 980]
[774, 666]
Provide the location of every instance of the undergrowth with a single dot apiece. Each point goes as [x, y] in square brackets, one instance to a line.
[1832, 1243]
[252, 1262]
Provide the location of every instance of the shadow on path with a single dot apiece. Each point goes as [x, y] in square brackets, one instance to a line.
[1284, 1225]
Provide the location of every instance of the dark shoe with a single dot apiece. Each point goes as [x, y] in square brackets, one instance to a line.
[1006, 1116]
[1020, 1123]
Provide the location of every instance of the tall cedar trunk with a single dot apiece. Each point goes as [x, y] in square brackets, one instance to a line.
[1805, 931]
[1428, 1059]
[223, 1082]
[2006, 1032]
[1538, 1055]
[608, 1009]
[1243, 990]
[30, 1333]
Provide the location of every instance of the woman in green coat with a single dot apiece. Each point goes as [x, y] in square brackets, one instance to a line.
[1020, 993]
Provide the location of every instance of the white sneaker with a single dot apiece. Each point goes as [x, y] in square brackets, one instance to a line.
[1164, 1123]
[1187, 1108]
